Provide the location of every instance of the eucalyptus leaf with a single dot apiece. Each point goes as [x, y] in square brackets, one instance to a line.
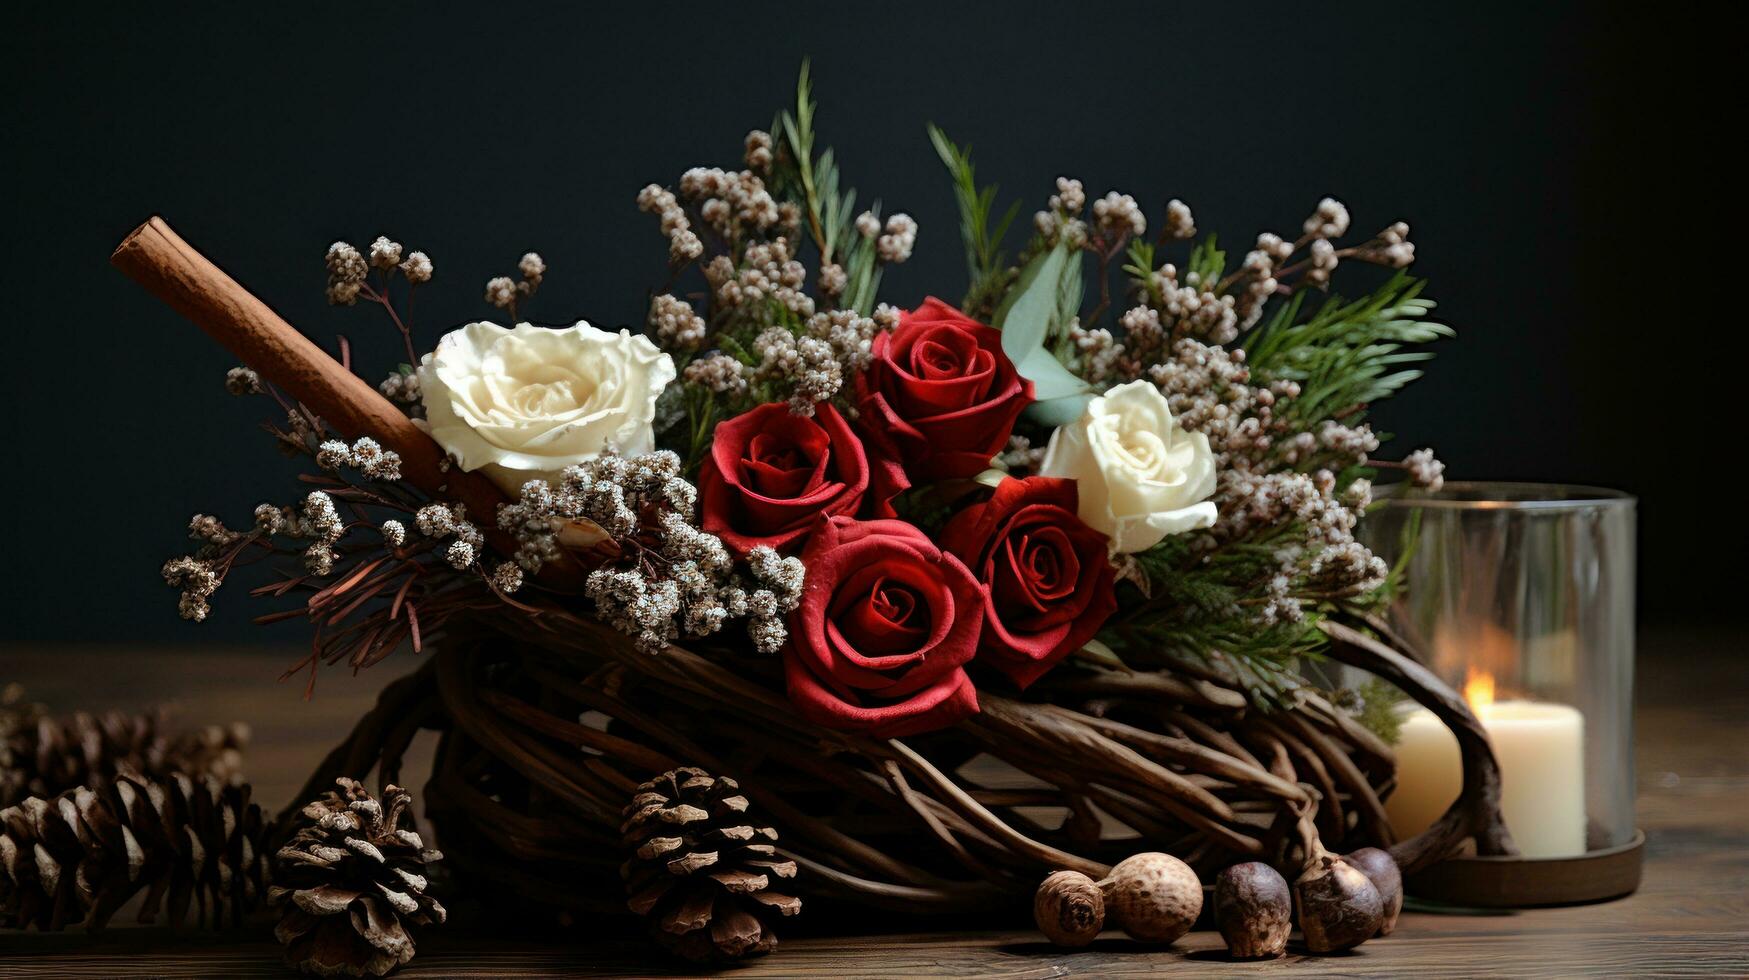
[1026, 317]
[1059, 411]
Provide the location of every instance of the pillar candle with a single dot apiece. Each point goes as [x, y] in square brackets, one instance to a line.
[1541, 748]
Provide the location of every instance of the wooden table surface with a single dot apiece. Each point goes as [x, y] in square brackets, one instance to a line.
[1690, 917]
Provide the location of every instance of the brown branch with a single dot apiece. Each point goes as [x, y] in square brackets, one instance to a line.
[1476, 813]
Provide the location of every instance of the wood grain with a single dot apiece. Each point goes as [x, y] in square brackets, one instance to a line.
[1689, 919]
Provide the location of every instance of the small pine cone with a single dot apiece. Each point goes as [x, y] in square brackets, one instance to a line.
[350, 882]
[80, 856]
[699, 872]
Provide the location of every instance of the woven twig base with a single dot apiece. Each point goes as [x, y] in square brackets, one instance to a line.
[550, 722]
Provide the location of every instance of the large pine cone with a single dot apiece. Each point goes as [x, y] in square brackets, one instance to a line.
[80, 856]
[699, 872]
[350, 882]
[44, 756]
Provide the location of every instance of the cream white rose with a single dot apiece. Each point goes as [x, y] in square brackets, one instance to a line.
[523, 403]
[1140, 476]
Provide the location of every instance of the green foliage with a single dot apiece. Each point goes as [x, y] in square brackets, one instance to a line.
[1139, 266]
[986, 263]
[1037, 310]
[1378, 709]
[829, 211]
[1346, 354]
[1196, 613]
[1264, 661]
[1207, 263]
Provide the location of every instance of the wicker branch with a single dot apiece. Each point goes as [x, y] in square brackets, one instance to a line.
[1476, 813]
[918, 824]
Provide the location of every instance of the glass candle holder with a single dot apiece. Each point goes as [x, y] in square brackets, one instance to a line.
[1521, 596]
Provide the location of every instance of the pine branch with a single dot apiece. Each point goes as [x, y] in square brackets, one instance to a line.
[829, 210]
[986, 262]
[1346, 355]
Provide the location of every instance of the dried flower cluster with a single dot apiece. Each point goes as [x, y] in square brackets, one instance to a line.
[242, 381]
[766, 282]
[896, 240]
[764, 328]
[660, 577]
[349, 270]
[1277, 479]
[314, 527]
[677, 325]
[448, 522]
[719, 374]
[349, 279]
[381, 563]
[1292, 446]
[1174, 304]
[402, 388]
[364, 455]
[505, 292]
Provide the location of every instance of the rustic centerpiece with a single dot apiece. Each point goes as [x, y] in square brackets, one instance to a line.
[903, 609]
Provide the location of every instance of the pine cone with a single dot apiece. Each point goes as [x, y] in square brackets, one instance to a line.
[350, 881]
[45, 756]
[80, 856]
[699, 872]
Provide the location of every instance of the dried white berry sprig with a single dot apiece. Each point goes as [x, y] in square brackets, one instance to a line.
[349, 279]
[657, 577]
[505, 292]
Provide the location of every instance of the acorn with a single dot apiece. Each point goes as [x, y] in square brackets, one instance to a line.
[1153, 897]
[1253, 910]
[1069, 908]
[1338, 906]
[1381, 869]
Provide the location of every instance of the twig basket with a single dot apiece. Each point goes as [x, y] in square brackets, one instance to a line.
[550, 719]
[549, 723]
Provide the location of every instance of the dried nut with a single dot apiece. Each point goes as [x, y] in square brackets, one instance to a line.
[1339, 907]
[1154, 897]
[1381, 869]
[1254, 910]
[1069, 908]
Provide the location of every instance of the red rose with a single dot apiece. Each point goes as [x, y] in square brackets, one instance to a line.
[938, 394]
[1047, 580]
[884, 630]
[771, 474]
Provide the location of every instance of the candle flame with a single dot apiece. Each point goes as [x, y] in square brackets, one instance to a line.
[1479, 690]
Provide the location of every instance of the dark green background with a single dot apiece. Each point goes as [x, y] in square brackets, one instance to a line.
[1561, 201]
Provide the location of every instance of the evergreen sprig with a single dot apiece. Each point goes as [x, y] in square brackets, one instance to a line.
[987, 271]
[1345, 355]
[829, 210]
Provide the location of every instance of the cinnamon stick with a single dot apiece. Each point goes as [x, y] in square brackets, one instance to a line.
[172, 270]
[154, 256]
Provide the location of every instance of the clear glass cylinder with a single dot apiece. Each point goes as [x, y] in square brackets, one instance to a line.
[1522, 596]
